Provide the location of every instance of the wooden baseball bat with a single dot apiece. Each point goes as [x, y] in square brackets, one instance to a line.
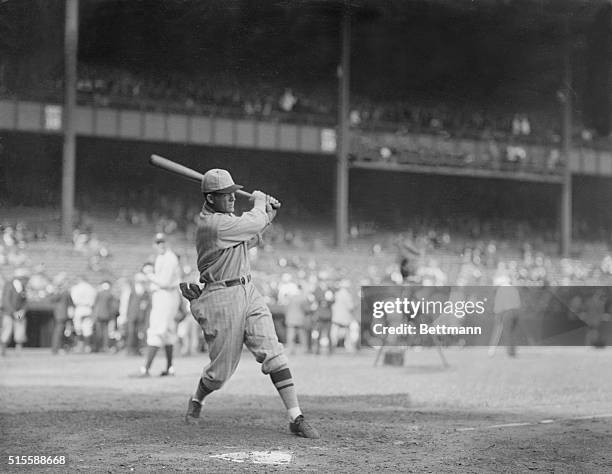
[185, 172]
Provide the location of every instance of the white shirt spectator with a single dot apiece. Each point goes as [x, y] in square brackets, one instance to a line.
[516, 154]
[525, 126]
[124, 299]
[342, 308]
[287, 101]
[83, 296]
[286, 290]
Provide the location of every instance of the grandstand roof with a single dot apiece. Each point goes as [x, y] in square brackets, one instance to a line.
[425, 46]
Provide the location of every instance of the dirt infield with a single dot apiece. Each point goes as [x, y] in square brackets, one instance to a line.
[548, 410]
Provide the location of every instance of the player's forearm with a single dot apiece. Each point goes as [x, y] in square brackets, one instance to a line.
[243, 228]
[255, 241]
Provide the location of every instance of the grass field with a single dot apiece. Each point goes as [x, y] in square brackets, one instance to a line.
[547, 410]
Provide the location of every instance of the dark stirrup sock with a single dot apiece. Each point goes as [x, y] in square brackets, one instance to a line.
[283, 381]
[202, 391]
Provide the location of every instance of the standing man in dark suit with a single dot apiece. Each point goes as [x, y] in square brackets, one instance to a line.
[139, 305]
[104, 310]
[62, 302]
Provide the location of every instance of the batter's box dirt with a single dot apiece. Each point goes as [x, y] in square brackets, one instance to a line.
[352, 441]
[482, 415]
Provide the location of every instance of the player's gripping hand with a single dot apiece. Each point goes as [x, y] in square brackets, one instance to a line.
[271, 211]
[260, 197]
[272, 201]
[190, 291]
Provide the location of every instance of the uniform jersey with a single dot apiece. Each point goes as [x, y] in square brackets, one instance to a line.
[167, 274]
[223, 241]
[83, 296]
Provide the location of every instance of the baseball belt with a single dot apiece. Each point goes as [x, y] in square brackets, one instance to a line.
[243, 280]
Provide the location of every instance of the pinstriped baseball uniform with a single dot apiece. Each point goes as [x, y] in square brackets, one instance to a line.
[235, 315]
[165, 300]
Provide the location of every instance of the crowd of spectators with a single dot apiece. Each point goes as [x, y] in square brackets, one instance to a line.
[167, 215]
[94, 310]
[172, 216]
[493, 155]
[14, 239]
[315, 302]
[272, 100]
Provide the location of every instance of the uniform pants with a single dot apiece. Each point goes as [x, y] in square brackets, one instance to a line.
[83, 325]
[13, 328]
[229, 318]
[189, 332]
[339, 332]
[165, 306]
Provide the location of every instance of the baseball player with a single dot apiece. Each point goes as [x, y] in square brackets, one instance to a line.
[229, 309]
[165, 303]
[83, 295]
[13, 311]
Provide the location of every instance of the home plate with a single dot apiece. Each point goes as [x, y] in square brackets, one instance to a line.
[257, 457]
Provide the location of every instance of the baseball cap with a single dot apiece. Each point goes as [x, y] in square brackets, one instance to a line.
[159, 237]
[218, 181]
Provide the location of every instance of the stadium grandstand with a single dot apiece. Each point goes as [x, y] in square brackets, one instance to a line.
[457, 145]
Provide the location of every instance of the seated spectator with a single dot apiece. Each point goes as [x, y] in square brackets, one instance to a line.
[287, 101]
[9, 237]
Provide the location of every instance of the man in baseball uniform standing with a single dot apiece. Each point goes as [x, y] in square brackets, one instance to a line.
[165, 303]
[13, 309]
[83, 295]
[229, 309]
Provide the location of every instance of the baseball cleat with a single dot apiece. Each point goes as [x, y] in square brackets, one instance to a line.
[192, 417]
[300, 427]
[168, 371]
[142, 373]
